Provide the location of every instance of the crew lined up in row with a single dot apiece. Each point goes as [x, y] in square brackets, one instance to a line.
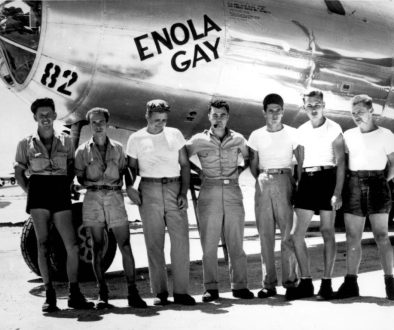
[160, 156]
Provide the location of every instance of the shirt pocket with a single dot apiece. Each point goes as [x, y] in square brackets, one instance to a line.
[38, 162]
[230, 157]
[59, 161]
[94, 171]
[112, 170]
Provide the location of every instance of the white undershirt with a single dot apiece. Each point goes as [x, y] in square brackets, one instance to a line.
[157, 154]
[275, 149]
[318, 143]
[368, 151]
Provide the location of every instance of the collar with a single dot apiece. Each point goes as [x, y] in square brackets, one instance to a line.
[109, 142]
[228, 133]
[56, 135]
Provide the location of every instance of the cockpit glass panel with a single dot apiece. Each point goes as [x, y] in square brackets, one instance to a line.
[20, 26]
[20, 21]
[19, 61]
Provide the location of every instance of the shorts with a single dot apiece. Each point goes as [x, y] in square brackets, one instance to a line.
[104, 207]
[366, 194]
[315, 190]
[49, 192]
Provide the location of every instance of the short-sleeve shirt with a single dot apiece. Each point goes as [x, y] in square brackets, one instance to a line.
[368, 151]
[275, 149]
[94, 170]
[157, 154]
[219, 159]
[32, 155]
[318, 143]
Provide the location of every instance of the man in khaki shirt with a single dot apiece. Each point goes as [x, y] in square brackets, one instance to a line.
[100, 165]
[220, 206]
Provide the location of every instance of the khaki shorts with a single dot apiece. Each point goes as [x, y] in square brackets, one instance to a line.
[104, 207]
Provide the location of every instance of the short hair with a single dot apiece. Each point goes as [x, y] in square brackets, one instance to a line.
[314, 93]
[363, 99]
[272, 99]
[103, 111]
[44, 102]
[157, 105]
[219, 104]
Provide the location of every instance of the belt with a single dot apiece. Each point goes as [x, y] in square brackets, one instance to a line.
[162, 180]
[317, 168]
[220, 181]
[365, 174]
[275, 170]
[95, 188]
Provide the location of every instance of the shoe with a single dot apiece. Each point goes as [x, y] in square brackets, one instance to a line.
[243, 293]
[210, 295]
[134, 298]
[349, 288]
[291, 293]
[77, 300]
[184, 299]
[303, 290]
[266, 293]
[161, 299]
[325, 291]
[49, 305]
[102, 301]
[389, 282]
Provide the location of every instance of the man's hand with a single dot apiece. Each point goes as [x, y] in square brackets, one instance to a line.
[182, 201]
[336, 202]
[134, 195]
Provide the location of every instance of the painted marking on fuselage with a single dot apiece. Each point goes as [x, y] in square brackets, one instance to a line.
[50, 78]
[180, 34]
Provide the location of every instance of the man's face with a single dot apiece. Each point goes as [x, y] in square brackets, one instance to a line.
[314, 107]
[273, 114]
[361, 114]
[45, 117]
[218, 117]
[157, 121]
[98, 124]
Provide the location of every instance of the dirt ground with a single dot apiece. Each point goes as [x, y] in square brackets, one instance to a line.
[21, 291]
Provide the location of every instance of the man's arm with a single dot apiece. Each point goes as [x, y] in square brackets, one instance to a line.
[390, 163]
[130, 176]
[185, 177]
[299, 154]
[21, 178]
[339, 152]
[254, 162]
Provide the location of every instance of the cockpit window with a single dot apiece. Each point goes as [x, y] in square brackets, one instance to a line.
[20, 25]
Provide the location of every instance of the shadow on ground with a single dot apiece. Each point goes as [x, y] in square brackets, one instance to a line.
[118, 288]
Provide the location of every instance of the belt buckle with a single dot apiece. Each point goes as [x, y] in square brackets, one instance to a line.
[226, 181]
[164, 180]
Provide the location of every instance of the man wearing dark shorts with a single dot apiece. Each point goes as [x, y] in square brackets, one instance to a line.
[370, 151]
[321, 172]
[44, 169]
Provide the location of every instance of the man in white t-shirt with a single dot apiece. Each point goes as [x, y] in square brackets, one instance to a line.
[271, 150]
[321, 171]
[158, 153]
[370, 150]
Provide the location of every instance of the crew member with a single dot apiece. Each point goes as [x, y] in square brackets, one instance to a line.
[159, 154]
[271, 163]
[370, 151]
[100, 165]
[44, 169]
[321, 171]
[220, 208]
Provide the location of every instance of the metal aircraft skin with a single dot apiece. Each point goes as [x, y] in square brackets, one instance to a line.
[119, 54]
